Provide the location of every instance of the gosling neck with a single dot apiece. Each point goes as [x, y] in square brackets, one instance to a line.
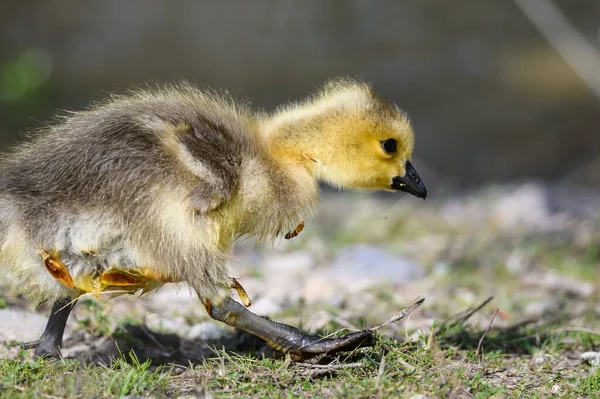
[295, 144]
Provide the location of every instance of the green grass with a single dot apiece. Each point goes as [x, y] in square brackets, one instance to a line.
[588, 385]
[534, 359]
[392, 369]
[96, 319]
[68, 378]
[528, 353]
[440, 365]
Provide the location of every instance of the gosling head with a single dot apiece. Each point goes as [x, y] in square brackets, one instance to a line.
[350, 138]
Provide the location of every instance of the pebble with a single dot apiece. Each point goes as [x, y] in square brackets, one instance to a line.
[172, 298]
[21, 325]
[525, 205]
[555, 389]
[370, 262]
[73, 351]
[284, 277]
[266, 306]
[356, 268]
[172, 324]
[560, 282]
[539, 358]
[291, 263]
[205, 331]
[593, 358]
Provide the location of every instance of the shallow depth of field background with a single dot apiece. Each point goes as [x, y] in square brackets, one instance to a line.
[490, 99]
[508, 144]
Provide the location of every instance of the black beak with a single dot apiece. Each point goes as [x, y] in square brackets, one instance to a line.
[410, 183]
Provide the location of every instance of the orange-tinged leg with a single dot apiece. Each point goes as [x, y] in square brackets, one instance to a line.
[241, 292]
[50, 342]
[282, 337]
[295, 232]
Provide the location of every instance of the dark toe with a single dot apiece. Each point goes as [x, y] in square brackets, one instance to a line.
[317, 346]
[48, 351]
[30, 345]
[355, 340]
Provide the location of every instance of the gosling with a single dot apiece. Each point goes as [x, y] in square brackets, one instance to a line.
[155, 186]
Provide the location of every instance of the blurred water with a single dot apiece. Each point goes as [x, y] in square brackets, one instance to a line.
[490, 99]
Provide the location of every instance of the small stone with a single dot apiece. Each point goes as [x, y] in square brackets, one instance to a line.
[291, 263]
[266, 306]
[76, 350]
[320, 288]
[206, 331]
[171, 298]
[441, 269]
[313, 321]
[517, 262]
[539, 358]
[20, 325]
[283, 278]
[555, 389]
[526, 205]
[535, 308]
[593, 358]
[555, 281]
[173, 324]
[357, 268]
[366, 261]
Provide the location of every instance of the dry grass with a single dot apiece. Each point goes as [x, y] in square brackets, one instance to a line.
[525, 342]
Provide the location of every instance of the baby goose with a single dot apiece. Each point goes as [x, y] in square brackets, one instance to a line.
[155, 186]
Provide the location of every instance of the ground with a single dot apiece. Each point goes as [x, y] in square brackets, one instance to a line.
[529, 251]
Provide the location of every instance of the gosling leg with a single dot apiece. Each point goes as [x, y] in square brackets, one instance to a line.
[50, 342]
[282, 337]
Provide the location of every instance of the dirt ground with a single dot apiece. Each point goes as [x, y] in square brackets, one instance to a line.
[509, 275]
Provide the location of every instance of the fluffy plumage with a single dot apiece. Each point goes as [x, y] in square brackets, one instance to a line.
[160, 182]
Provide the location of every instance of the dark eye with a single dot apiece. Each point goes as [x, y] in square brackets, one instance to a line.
[389, 145]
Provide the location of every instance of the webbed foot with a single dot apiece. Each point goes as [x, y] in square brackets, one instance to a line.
[50, 342]
[300, 345]
[285, 338]
[43, 348]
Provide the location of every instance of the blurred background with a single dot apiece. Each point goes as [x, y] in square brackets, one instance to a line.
[504, 97]
[491, 100]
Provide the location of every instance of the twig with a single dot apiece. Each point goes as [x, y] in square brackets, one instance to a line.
[150, 335]
[344, 323]
[401, 315]
[489, 327]
[286, 363]
[380, 372]
[350, 354]
[446, 325]
[95, 294]
[477, 309]
[566, 40]
[410, 367]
